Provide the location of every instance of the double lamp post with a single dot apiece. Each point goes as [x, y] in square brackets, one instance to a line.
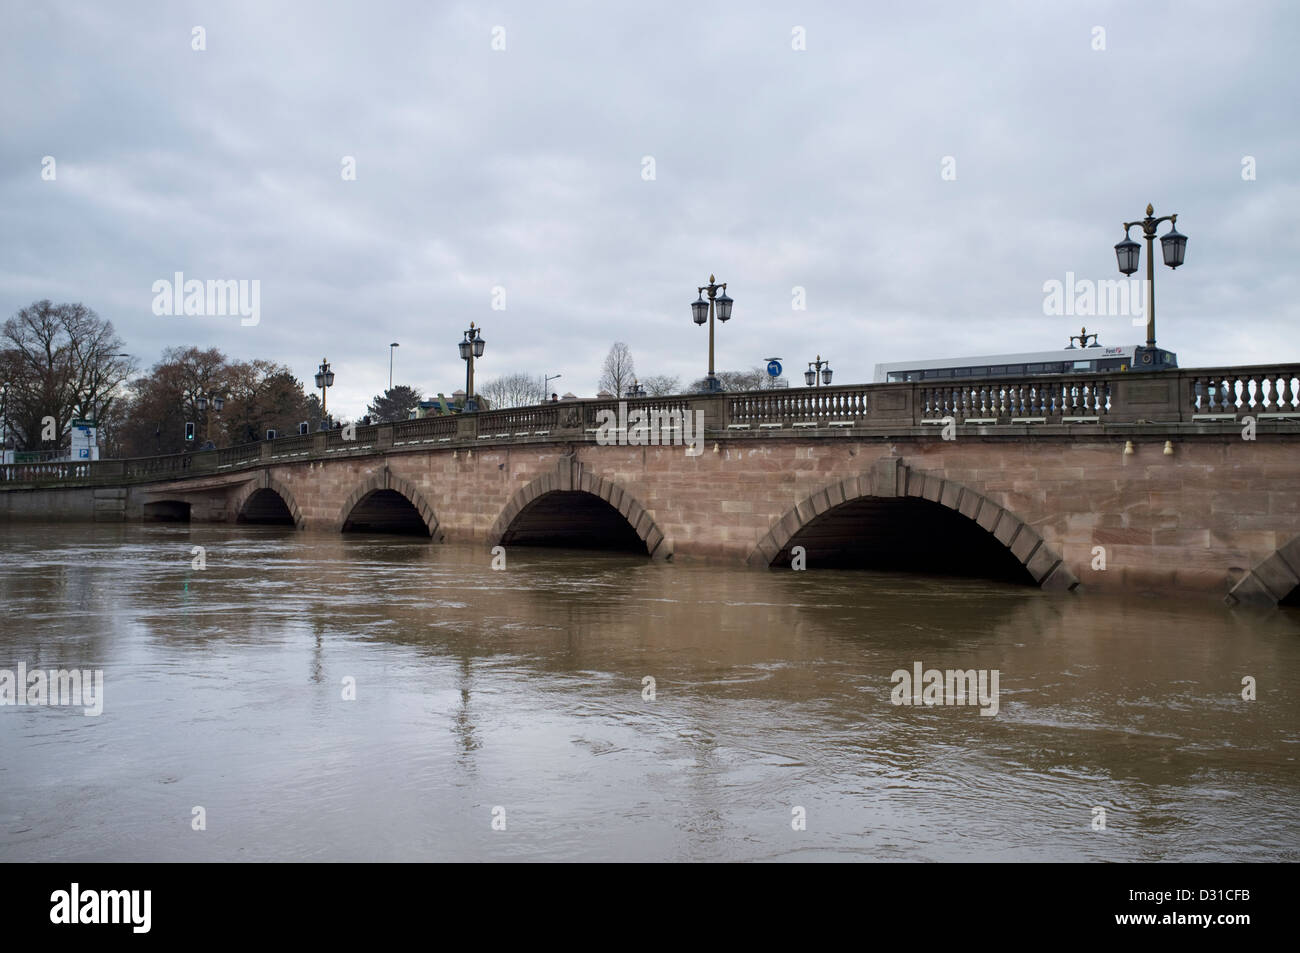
[1173, 246]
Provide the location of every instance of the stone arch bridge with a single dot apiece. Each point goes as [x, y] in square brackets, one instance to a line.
[1186, 480]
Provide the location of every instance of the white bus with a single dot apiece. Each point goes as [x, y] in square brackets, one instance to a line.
[1073, 360]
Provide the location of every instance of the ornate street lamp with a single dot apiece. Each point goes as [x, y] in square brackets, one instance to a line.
[471, 346]
[702, 310]
[390, 363]
[1173, 246]
[200, 401]
[1083, 337]
[324, 381]
[810, 375]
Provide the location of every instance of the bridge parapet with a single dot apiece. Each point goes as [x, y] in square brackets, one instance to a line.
[1187, 401]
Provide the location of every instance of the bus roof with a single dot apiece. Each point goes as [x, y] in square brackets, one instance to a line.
[1035, 357]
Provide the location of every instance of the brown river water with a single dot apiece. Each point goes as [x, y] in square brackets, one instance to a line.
[516, 699]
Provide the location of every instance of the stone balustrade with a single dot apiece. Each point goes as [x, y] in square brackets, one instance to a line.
[1187, 401]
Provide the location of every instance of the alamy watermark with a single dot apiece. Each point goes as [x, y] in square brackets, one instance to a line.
[76, 905]
[651, 427]
[951, 687]
[84, 687]
[1118, 297]
[209, 298]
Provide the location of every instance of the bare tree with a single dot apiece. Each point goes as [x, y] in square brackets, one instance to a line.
[662, 385]
[513, 390]
[61, 361]
[618, 372]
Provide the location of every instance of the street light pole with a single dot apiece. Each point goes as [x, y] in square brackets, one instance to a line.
[1173, 246]
[390, 363]
[546, 384]
[471, 346]
[324, 381]
[218, 402]
[702, 311]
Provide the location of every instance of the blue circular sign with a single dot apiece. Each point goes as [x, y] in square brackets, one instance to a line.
[774, 368]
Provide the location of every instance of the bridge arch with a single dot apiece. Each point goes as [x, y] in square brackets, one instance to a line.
[387, 498]
[889, 480]
[600, 499]
[1274, 582]
[252, 505]
[166, 511]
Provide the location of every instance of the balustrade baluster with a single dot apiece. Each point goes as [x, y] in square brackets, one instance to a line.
[1286, 395]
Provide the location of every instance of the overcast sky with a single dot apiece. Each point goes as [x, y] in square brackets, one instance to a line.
[525, 169]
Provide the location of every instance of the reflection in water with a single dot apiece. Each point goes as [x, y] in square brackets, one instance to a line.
[522, 689]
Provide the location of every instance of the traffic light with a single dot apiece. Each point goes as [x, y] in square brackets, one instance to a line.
[189, 431]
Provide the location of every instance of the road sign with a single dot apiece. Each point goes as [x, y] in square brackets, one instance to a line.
[774, 368]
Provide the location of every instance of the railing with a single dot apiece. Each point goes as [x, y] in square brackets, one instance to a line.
[1193, 398]
[519, 420]
[1245, 389]
[664, 407]
[45, 472]
[292, 446]
[1046, 397]
[233, 456]
[782, 406]
[425, 427]
[361, 436]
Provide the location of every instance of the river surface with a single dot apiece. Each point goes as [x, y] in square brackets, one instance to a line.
[517, 697]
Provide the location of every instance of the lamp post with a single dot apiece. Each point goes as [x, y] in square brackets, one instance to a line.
[390, 363]
[1083, 337]
[218, 404]
[810, 375]
[546, 385]
[702, 311]
[324, 381]
[1173, 246]
[4, 422]
[471, 346]
[200, 401]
